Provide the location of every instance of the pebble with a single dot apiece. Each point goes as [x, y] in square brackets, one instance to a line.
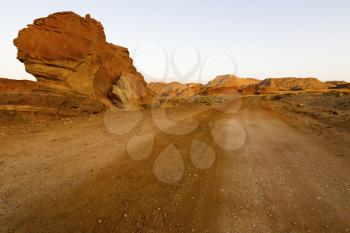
[99, 221]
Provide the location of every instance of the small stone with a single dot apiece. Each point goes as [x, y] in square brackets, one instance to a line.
[99, 221]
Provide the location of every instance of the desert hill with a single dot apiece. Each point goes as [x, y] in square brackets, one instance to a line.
[230, 80]
[175, 89]
[339, 84]
[289, 84]
[227, 85]
[223, 84]
[231, 84]
[286, 84]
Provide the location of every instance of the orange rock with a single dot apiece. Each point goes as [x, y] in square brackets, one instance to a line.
[11, 85]
[175, 89]
[227, 85]
[65, 51]
[292, 84]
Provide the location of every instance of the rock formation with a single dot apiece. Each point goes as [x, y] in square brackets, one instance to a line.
[67, 52]
[230, 80]
[227, 85]
[290, 84]
[175, 89]
[129, 90]
[22, 99]
[339, 84]
[285, 84]
[221, 85]
[11, 85]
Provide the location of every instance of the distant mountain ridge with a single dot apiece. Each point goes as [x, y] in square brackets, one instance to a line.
[230, 84]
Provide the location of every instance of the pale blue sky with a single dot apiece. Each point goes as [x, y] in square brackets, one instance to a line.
[265, 38]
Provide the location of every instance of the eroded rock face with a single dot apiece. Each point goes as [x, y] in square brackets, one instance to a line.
[339, 84]
[11, 85]
[230, 80]
[128, 90]
[292, 84]
[221, 85]
[227, 85]
[174, 89]
[23, 99]
[65, 51]
[286, 84]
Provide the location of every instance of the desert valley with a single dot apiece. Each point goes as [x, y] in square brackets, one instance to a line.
[92, 147]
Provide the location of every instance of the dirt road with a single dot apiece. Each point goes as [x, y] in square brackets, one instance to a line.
[247, 171]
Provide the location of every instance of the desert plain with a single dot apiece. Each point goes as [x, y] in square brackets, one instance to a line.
[92, 147]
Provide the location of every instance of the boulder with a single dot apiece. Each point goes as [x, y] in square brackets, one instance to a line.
[67, 52]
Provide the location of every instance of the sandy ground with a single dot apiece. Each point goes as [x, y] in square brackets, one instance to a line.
[321, 115]
[236, 167]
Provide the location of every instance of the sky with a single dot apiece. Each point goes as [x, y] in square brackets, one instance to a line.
[194, 41]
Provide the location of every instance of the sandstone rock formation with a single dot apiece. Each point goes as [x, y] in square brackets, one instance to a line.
[129, 91]
[65, 51]
[11, 85]
[227, 85]
[22, 99]
[290, 84]
[339, 84]
[230, 80]
[175, 89]
[221, 85]
[285, 84]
